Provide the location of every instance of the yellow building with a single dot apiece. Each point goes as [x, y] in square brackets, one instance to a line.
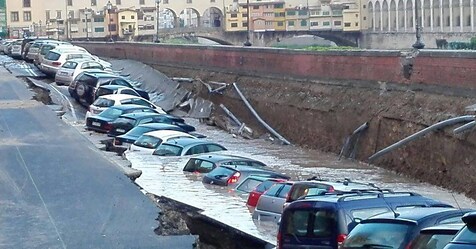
[297, 19]
[279, 16]
[235, 17]
[127, 20]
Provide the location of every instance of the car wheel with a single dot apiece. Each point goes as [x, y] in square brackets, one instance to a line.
[81, 90]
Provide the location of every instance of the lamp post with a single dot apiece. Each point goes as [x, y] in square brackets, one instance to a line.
[40, 30]
[109, 8]
[157, 6]
[86, 13]
[418, 43]
[57, 27]
[247, 42]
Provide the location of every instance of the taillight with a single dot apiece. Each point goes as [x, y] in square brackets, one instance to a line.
[409, 245]
[278, 240]
[234, 178]
[340, 239]
[331, 189]
[108, 127]
[56, 63]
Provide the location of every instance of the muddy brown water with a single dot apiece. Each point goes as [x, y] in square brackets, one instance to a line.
[164, 176]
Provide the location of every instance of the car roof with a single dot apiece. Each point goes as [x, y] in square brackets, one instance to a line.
[186, 141]
[416, 214]
[114, 87]
[157, 125]
[138, 115]
[165, 133]
[101, 74]
[346, 185]
[79, 60]
[443, 227]
[129, 106]
[119, 96]
[221, 157]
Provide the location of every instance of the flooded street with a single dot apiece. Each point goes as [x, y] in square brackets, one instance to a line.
[164, 176]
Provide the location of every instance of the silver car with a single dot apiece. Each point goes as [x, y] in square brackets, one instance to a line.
[16, 49]
[71, 68]
[46, 47]
[270, 203]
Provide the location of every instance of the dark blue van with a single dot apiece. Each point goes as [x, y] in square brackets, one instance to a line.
[323, 222]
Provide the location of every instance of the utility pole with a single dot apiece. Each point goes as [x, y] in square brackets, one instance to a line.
[247, 43]
[418, 43]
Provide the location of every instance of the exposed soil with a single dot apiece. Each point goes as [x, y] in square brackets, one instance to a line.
[322, 114]
[41, 94]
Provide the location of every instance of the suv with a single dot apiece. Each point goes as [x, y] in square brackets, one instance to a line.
[466, 238]
[85, 85]
[398, 229]
[326, 220]
[436, 237]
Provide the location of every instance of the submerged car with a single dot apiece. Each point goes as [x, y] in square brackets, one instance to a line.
[149, 141]
[206, 163]
[103, 102]
[436, 237]
[186, 146]
[233, 175]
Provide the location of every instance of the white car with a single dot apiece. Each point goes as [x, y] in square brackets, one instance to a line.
[57, 57]
[103, 102]
[71, 68]
[16, 49]
[148, 142]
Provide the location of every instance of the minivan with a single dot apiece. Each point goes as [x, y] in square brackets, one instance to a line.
[324, 221]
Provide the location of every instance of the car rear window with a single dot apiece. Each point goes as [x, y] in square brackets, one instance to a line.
[199, 165]
[431, 241]
[390, 235]
[70, 65]
[88, 80]
[102, 102]
[138, 131]
[285, 190]
[265, 186]
[46, 48]
[309, 223]
[168, 150]
[52, 56]
[125, 120]
[249, 185]
[149, 142]
[111, 113]
[300, 190]
[222, 171]
[467, 235]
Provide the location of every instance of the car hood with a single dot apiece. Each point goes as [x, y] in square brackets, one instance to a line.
[97, 117]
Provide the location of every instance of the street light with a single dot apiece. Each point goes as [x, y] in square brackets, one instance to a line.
[40, 29]
[157, 6]
[57, 27]
[418, 44]
[86, 13]
[109, 8]
[247, 43]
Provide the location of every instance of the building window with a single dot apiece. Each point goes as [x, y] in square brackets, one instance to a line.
[189, 1]
[347, 24]
[212, 1]
[291, 13]
[98, 19]
[244, 24]
[279, 14]
[26, 3]
[325, 13]
[166, 1]
[364, 6]
[123, 17]
[234, 24]
[14, 16]
[256, 7]
[118, 2]
[303, 12]
[356, 24]
[99, 29]
[314, 24]
[112, 27]
[280, 24]
[48, 17]
[303, 23]
[93, 3]
[356, 15]
[70, 2]
[279, 6]
[233, 15]
[268, 23]
[291, 23]
[365, 18]
[141, 2]
[327, 23]
[132, 17]
[26, 16]
[58, 14]
[244, 15]
[337, 23]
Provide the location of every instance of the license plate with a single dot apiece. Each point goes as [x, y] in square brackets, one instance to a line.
[120, 130]
[96, 124]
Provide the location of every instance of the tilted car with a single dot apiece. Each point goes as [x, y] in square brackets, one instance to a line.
[103, 102]
[149, 141]
[270, 203]
[466, 237]
[436, 237]
[207, 162]
[256, 193]
[131, 136]
[186, 146]
[233, 175]
[72, 68]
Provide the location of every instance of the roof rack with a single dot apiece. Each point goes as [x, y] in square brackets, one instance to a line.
[380, 193]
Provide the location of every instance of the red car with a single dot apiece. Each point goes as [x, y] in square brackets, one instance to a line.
[254, 195]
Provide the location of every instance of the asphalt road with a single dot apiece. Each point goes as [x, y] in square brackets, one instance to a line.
[59, 191]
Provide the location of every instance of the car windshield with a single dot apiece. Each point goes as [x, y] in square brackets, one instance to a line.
[168, 150]
[311, 223]
[249, 185]
[147, 141]
[138, 131]
[307, 189]
[431, 241]
[467, 235]
[111, 113]
[390, 235]
[101, 102]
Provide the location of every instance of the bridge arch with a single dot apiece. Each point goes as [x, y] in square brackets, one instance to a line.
[170, 19]
[188, 18]
[385, 16]
[393, 16]
[378, 16]
[212, 18]
[401, 15]
[372, 15]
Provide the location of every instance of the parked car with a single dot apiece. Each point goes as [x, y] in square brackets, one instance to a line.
[115, 89]
[319, 186]
[131, 136]
[398, 229]
[256, 193]
[149, 141]
[34, 49]
[249, 184]
[233, 175]
[3, 45]
[106, 101]
[102, 121]
[71, 68]
[270, 204]
[128, 121]
[186, 146]
[85, 85]
[8, 47]
[436, 237]
[57, 57]
[50, 45]
[26, 48]
[206, 163]
[15, 49]
[341, 212]
[466, 237]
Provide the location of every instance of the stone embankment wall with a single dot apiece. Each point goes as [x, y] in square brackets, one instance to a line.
[317, 99]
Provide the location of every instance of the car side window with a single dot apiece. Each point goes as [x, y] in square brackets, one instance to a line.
[197, 149]
[127, 102]
[205, 166]
[284, 191]
[214, 147]
[273, 191]
[448, 220]
[85, 65]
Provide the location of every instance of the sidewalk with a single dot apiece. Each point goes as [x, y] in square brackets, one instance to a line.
[58, 191]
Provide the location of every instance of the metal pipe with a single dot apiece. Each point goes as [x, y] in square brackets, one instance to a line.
[276, 134]
[230, 114]
[465, 127]
[351, 141]
[422, 133]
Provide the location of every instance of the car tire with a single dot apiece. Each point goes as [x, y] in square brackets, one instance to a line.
[81, 90]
